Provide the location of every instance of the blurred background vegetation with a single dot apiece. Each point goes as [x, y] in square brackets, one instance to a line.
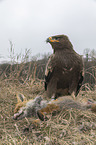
[24, 68]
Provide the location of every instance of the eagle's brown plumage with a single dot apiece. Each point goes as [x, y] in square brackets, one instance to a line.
[64, 70]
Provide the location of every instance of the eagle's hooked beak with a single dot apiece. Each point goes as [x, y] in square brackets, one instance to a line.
[50, 39]
[47, 40]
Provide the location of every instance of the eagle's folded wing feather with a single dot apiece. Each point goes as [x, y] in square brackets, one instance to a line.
[48, 71]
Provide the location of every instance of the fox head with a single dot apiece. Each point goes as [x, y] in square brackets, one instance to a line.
[26, 108]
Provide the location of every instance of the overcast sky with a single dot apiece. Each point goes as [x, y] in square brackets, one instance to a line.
[27, 23]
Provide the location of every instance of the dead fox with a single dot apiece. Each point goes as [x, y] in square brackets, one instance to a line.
[39, 108]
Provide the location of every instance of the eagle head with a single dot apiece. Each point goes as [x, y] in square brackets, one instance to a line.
[59, 42]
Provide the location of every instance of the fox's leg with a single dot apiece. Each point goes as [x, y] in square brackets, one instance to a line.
[42, 116]
[34, 124]
[91, 105]
[50, 108]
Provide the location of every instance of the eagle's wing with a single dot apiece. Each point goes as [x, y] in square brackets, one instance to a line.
[48, 71]
[80, 81]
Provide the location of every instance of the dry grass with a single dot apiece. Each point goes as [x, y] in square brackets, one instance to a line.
[71, 127]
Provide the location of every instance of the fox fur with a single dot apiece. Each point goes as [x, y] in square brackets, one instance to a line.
[39, 108]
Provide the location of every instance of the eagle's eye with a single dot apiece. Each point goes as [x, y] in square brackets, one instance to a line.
[55, 38]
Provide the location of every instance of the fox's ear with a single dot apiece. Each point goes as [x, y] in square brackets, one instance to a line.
[21, 98]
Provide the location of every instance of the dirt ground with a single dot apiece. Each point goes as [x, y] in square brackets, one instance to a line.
[71, 127]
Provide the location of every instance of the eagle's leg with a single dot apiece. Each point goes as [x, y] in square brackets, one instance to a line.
[51, 88]
[54, 96]
[73, 95]
[72, 90]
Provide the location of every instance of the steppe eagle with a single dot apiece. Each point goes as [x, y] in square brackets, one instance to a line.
[64, 70]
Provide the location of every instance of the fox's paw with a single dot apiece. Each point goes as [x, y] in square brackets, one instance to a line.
[91, 105]
[26, 129]
[35, 124]
[29, 128]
